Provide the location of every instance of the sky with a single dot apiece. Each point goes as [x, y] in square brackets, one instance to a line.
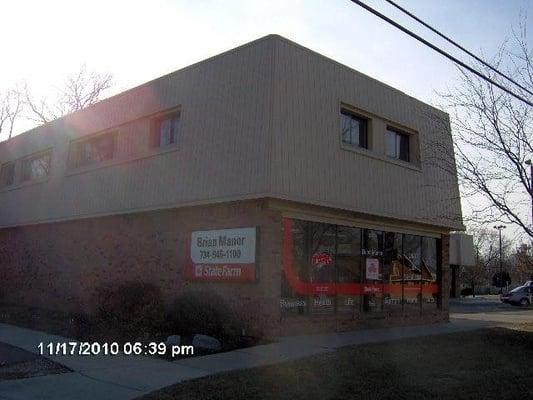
[136, 41]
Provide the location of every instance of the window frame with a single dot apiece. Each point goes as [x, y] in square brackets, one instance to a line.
[155, 129]
[3, 180]
[398, 135]
[74, 159]
[367, 129]
[35, 156]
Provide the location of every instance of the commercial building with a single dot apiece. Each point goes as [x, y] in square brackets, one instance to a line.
[308, 195]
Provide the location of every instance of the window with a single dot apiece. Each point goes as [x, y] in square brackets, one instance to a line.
[348, 263]
[354, 129]
[7, 174]
[372, 269]
[93, 150]
[393, 271]
[164, 130]
[335, 269]
[397, 145]
[36, 167]
[429, 273]
[412, 274]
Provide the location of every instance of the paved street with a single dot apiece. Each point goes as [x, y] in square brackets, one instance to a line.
[489, 309]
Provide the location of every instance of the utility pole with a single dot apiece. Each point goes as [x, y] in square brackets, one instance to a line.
[499, 228]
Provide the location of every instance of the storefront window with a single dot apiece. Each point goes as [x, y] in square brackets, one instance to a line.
[430, 289]
[321, 244]
[412, 256]
[331, 269]
[372, 271]
[348, 260]
[393, 272]
[293, 298]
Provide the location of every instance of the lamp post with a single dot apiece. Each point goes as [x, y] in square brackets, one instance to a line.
[530, 163]
[499, 228]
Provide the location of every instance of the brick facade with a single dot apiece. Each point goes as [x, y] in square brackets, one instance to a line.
[62, 265]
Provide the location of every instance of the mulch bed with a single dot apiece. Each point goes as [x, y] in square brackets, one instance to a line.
[16, 363]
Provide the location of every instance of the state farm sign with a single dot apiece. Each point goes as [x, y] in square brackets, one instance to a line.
[223, 255]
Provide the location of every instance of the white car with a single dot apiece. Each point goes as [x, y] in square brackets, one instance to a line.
[521, 296]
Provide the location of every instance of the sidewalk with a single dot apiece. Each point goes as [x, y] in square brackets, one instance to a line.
[127, 377]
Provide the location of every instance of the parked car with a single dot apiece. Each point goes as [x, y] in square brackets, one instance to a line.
[528, 283]
[521, 295]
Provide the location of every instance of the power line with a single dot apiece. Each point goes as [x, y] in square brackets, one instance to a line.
[438, 50]
[458, 46]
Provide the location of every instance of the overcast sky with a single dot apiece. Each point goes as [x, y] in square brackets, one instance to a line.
[135, 41]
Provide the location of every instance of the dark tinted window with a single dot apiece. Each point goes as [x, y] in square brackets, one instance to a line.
[397, 145]
[372, 252]
[348, 260]
[36, 167]
[165, 130]
[412, 274]
[7, 174]
[348, 255]
[354, 129]
[94, 150]
[331, 268]
[392, 271]
[428, 267]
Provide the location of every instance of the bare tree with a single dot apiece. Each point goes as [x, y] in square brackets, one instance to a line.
[486, 253]
[493, 134]
[523, 263]
[11, 106]
[79, 91]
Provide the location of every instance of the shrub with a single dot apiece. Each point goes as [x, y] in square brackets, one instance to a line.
[466, 292]
[202, 312]
[131, 309]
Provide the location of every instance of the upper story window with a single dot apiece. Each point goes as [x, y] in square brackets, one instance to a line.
[397, 144]
[93, 150]
[36, 167]
[164, 130]
[7, 174]
[354, 129]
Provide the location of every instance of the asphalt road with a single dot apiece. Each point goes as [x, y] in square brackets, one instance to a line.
[489, 308]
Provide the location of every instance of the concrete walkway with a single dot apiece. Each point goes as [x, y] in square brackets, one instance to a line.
[127, 377]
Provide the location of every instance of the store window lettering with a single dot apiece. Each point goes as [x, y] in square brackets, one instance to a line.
[321, 258]
[371, 253]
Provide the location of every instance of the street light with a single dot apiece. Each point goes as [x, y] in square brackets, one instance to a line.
[530, 163]
[500, 227]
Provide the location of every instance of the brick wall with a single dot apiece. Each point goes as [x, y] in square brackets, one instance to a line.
[61, 265]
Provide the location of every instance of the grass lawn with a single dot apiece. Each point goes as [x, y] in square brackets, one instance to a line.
[486, 364]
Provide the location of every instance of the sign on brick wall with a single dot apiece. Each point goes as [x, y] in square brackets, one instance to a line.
[227, 255]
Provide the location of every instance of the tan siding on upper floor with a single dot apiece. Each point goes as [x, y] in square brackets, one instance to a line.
[223, 137]
[309, 164]
[258, 121]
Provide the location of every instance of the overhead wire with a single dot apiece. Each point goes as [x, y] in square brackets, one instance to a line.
[453, 42]
[442, 52]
